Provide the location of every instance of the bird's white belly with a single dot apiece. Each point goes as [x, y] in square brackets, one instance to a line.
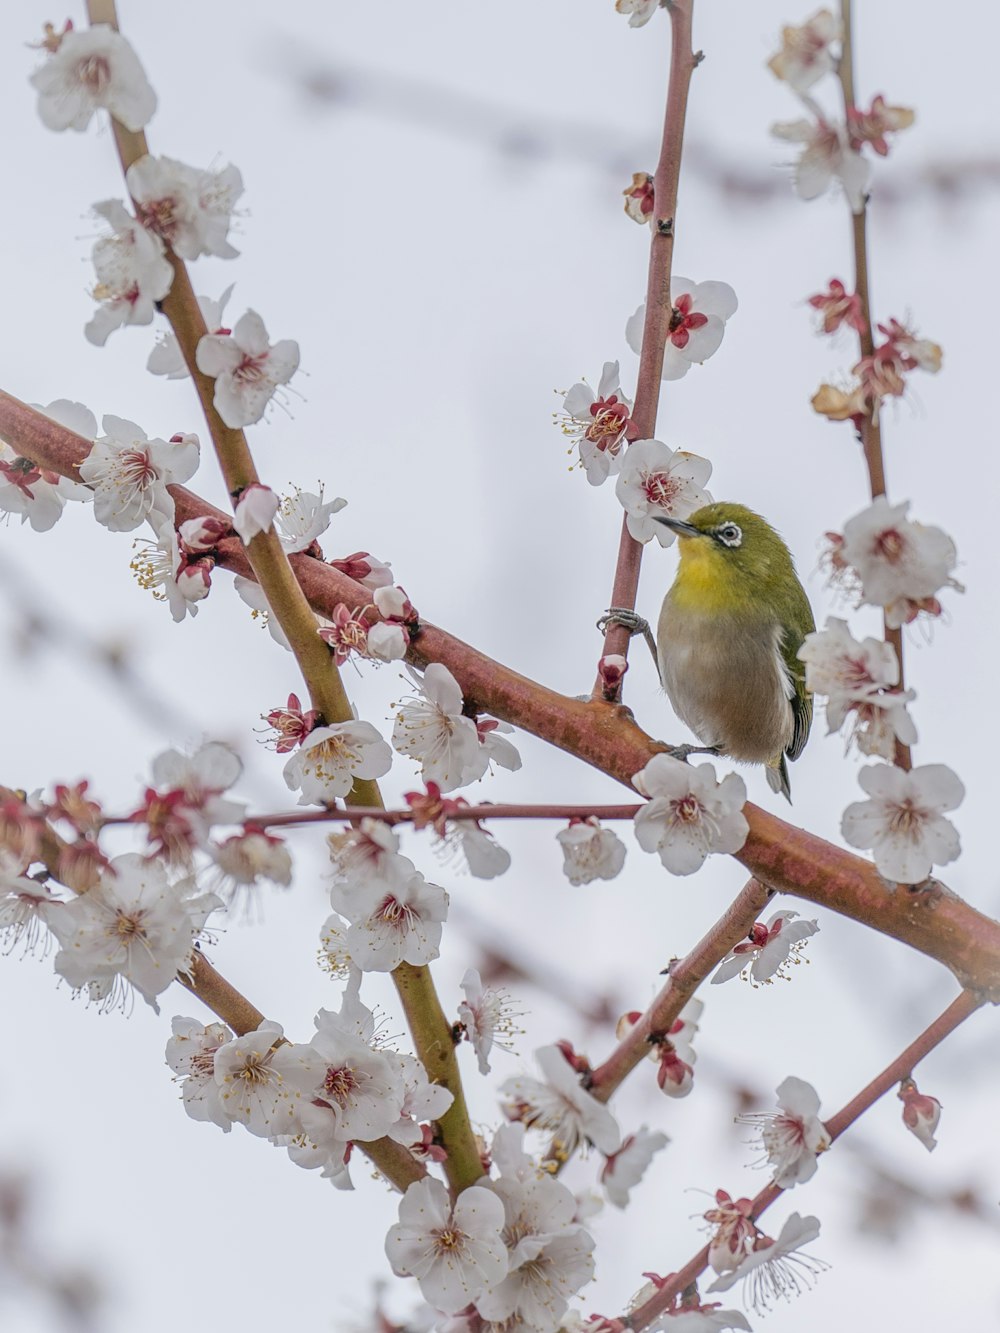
[728, 683]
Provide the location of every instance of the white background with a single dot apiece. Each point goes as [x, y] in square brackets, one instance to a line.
[443, 278]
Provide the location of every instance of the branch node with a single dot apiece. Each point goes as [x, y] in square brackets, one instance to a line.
[664, 226]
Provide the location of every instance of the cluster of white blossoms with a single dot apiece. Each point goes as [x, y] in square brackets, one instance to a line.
[860, 683]
[511, 1246]
[388, 913]
[769, 1267]
[653, 481]
[315, 1098]
[889, 561]
[136, 919]
[452, 749]
[188, 210]
[831, 145]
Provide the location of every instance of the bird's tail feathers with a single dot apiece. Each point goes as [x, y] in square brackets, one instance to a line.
[777, 776]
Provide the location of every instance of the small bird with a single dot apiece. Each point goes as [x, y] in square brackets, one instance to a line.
[728, 638]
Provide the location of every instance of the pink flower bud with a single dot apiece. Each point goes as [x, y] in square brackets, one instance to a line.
[611, 669]
[199, 535]
[921, 1113]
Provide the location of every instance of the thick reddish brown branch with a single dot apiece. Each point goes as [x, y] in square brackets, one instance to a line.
[788, 859]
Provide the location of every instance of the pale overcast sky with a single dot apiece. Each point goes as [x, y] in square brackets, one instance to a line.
[433, 210]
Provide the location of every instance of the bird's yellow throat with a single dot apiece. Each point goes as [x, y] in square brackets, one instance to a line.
[702, 583]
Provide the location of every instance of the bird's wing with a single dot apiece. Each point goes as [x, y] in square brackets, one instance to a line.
[800, 698]
[802, 710]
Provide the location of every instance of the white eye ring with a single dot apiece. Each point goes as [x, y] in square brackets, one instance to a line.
[730, 535]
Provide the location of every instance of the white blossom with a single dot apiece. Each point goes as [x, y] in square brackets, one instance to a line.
[794, 1136]
[560, 1105]
[826, 156]
[859, 680]
[255, 1075]
[549, 1252]
[134, 924]
[483, 855]
[247, 369]
[599, 423]
[349, 1091]
[368, 854]
[456, 1254]
[422, 1100]
[130, 473]
[387, 643]
[391, 924]
[589, 851]
[689, 814]
[775, 1269]
[903, 823]
[35, 493]
[487, 1018]
[303, 517]
[255, 511]
[246, 858]
[92, 68]
[187, 207]
[132, 274]
[252, 594]
[432, 729]
[700, 312]
[24, 911]
[166, 358]
[191, 1055]
[202, 776]
[768, 950]
[160, 568]
[657, 481]
[805, 54]
[624, 1169]
[708, 1319]
[639, 11]
[901, 565]
[325, 765]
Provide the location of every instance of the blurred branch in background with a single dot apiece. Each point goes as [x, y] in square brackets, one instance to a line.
[32, 627]
[528, 140]
[32, 1280]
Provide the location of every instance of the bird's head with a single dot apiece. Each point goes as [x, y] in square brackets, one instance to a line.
[725, 543]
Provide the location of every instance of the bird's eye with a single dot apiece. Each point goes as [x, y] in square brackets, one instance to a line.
[730, 535]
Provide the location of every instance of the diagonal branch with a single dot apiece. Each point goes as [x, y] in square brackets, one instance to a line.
[956, 1013]
[931, 918]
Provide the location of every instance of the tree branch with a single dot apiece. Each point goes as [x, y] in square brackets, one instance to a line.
[659, 307]
[929, 918]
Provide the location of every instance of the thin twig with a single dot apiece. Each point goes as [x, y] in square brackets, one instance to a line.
[659, 307]
[956, 1013]
[871, 423]
[686, 975]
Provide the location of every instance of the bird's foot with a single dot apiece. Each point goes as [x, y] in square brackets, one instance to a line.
[628, 619]
[634, 623]
[683, 752]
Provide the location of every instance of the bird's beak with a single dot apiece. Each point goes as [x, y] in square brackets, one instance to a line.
[677, 525]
